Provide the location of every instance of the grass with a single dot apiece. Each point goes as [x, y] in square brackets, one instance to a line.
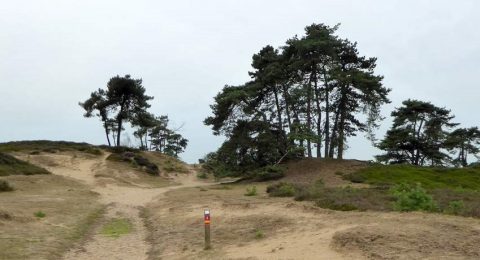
[40, 214]
[251, 191]
[70, 208]
[453, 191]
[430, 178]
[39, 146]
[117, 227]
[282, 189]
[10, 165]
[259, 234]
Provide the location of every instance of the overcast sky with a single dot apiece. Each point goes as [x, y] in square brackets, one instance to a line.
[54, 53]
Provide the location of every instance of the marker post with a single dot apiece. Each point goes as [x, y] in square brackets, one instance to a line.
[206, 219]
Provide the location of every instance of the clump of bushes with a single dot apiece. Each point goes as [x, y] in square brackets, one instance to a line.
[202, 175]
[5, 186]
[251, 191]
[456, 207]
[136, 160]
[310, 192]
[282, 189]
[411, 198]
[269, 173]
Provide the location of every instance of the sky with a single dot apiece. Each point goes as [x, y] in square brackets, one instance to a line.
[54, 53]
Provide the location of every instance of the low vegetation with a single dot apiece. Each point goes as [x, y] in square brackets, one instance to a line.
[453, 191]
[10, 165]
[117, 227]
[5, 186]
[40, 214]
[136, 160]
[44, 146]
[430, 178]
[282, 189]
[69, 208]
[251, 191]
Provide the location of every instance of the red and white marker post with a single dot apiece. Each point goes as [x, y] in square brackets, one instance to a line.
[206, 220]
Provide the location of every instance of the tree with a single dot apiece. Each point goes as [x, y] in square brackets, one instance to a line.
[145, 122]
[127, 97]
[464, 141]
[418, 134]
[98, 102]
[310, 92]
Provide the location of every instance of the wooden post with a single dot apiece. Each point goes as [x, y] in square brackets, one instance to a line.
[206, 218]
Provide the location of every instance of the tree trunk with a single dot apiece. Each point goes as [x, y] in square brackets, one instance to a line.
[309, 117]
[106, 133]
[141, 141]
[341, 127]
[119, 131]
[334, 139]
[327, 111]
[319, 118]
[287, 109]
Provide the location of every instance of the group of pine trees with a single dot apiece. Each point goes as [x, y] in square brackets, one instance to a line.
[308, 96]
[304, 98]
[422, 135]
[124, 101]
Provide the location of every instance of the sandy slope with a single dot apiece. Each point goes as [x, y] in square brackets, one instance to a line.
[124, 201]
[292, 230]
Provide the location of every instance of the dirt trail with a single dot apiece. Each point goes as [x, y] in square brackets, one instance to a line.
[123, 202]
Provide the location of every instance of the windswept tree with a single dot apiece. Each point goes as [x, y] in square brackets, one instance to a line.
[418, 134]
[124, 97]
[98, 105]
[464, 142]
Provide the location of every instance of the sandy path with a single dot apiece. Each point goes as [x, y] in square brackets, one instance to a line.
[123, 202]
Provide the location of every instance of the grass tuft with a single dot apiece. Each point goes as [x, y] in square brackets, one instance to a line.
[40, 214]
[117, 227]
[251, 191]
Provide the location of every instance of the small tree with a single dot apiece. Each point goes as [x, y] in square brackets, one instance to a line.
[418, 134]
[127, 97]
[463, 141]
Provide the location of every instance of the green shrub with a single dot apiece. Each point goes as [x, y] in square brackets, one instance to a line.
[251, 191]
[202, 175]
[281, 189]
[456, 207]
[5, 186]
[310, 192]
[39, 214]
[411, 198]
[355, 177]
[269, 173]
[259, 234]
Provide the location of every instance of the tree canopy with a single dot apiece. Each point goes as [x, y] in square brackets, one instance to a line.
[124, 101]
[306, 94]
